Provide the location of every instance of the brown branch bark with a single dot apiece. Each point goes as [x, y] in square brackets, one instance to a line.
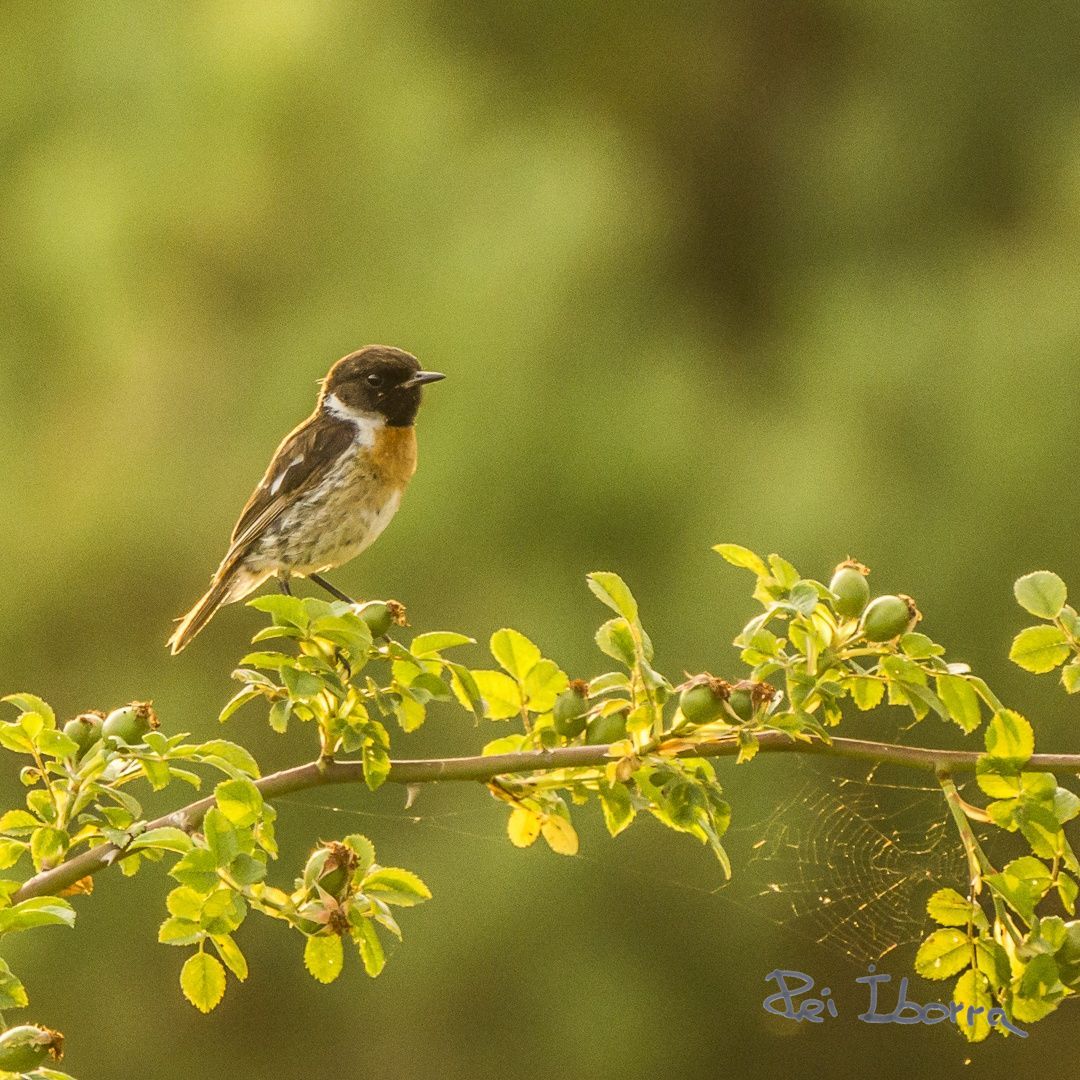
[484, 768]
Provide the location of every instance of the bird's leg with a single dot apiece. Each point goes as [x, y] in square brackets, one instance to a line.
[333, 590]
[283, 585]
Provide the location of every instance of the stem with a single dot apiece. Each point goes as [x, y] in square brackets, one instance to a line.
[486, 768]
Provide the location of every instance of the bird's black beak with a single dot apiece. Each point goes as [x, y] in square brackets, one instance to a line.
[422, 377]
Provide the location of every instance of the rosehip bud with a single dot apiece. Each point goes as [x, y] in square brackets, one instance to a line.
[25, 1047]
[376, 613]
[702, 698]
[85, 730]
[887, 617]
[851, 589]
[129, 724]
[568, 713]
[606, 729]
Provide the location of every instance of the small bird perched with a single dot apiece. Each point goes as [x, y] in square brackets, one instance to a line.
[331, 488]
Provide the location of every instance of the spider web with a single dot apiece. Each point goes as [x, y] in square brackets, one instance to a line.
[850, 862]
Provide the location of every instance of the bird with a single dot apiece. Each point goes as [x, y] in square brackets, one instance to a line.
[332, 485]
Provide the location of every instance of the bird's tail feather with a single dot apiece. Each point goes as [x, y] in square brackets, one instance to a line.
[224, 589]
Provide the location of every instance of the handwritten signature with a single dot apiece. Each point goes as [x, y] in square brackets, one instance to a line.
[792, 985]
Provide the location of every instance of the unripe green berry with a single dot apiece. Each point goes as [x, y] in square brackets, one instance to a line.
[376, 613]
[25, 1047]
[128, 725]
[887, 617]
[742, 702]
[701, 700]
[602, 730]
[85, 730]
[569, 711]
[851, 588]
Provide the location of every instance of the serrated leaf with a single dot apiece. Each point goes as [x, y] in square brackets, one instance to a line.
[972, 990]
[543, 685]
[500, 694]
[1009, 738]
[615, 639]
[523, 827]
[31, 703]
[943, 954]
[1070, 677]
[177, 931]
[165, 838]
[1039, 649]
[514, 652]
[237, 701]
[324, 957]
[960, 700]
[865, 691]
[232, 754]
[363, 848]
[436, 641]
[1041, 593]
[221, 837]
[35, 912]
[240, 801]
[12, 992]
[371, 949]
[742, 557]
[617, 807]
[610, 589]
[231, 954]
[393, 885]
[202, 980]
[948, 908]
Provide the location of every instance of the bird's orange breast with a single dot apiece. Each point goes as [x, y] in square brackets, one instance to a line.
[393, 455]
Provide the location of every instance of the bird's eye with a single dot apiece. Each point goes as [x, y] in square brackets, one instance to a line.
[374, 380]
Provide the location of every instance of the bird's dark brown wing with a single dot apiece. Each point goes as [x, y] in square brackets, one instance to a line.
[304, 457]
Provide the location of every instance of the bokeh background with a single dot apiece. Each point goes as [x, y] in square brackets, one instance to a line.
[800, 275]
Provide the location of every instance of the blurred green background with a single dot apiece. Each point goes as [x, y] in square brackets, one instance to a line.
[800, 275]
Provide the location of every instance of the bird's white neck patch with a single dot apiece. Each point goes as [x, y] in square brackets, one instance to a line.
[367, 424]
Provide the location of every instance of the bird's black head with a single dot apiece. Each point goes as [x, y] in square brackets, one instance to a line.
[378, 379]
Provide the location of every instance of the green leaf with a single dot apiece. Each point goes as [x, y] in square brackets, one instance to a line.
[543, 685]
[363, 848]
[230, 753]
[393, 885]
[435, 641]
[615, 639]
[165, 838]
[284, 610]
[12, 992]
[943, 954]
[515, 653]
[1039, 649]
[610, 589]
[18, 822]
[973, 992]
[501, 695]
[617, 808]
[960, 701]
[238, 700]
[371, 950]
[35, 912]
[1022, 884]
[742, 557]
[231, 955]
[202, 980]
[48, 847]
[178, 931]
[323, 957]
[240, 801]
[1009, 738]
[14, 738]
[1070, 677]
[1041, 593]
[197, 869]
[866, 692]
[31, 703]
[948, 908]
[222, 839]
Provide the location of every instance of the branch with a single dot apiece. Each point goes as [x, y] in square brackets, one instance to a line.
[483, 768]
